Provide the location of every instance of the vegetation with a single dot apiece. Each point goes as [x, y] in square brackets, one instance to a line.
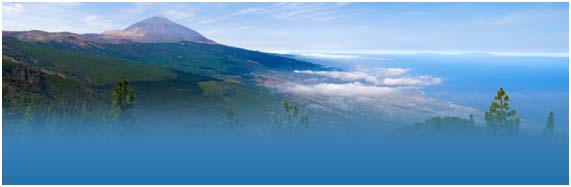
[123, 98]
[192, 56]
[207, 76]
[550, 125]
[447, 123]
[442, 125]
[32, 94]
[86, 68]
[216, 89]
[291, 117]
[58, 83]
[499, 118]
[230, 120]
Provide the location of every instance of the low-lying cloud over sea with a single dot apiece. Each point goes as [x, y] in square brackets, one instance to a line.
[376, 93]
[413, 87]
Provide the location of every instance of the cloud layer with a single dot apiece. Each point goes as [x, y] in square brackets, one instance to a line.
[389, 94]
[378, 76]
[354, 89]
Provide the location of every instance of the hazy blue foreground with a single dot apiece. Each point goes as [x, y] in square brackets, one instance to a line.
[189, 147]
[285, 160]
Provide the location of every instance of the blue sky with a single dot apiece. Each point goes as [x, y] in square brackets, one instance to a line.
[298, 27]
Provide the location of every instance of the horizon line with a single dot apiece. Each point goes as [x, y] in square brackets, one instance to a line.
[420, 52]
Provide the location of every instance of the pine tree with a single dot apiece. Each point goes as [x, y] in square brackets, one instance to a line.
[499, 117]
[230, 119]
[293, 119]
[122, 102]
[550, 125]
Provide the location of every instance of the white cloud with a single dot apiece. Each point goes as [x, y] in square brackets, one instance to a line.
[359, 52]
[13, 9]
[51, 17]
[360, 100]
[385, 72]
[371, 93]
[97, 22]
[378, 76]
[412, 81]
[227, 30]
[354, 89]
[525, 54]
[344, 76]
[256, 10]
[176, 14]
[289, 11]
[329, 56]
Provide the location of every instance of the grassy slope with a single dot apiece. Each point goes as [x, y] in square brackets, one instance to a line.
[219, 57]
[92, 69]
[17, 77]
[192, 89]
[22, 83]
[229, 66]
[206, 59]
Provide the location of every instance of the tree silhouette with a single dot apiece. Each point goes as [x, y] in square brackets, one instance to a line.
[550, 125]
[31, 108]
[123, 98]
[292, 118]
[499, 117]
[230, 119]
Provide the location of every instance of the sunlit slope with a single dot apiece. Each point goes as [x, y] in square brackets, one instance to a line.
[27, 89]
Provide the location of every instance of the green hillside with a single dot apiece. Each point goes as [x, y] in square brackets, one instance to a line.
[28, 92]
[186, 82]
[191, 56]
[87, 68]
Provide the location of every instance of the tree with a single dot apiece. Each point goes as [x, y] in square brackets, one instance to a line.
[32, 107]
[230, 119]
[499, 117]
[123, 98]
[447, 123]
[291, 118]
[550, 125]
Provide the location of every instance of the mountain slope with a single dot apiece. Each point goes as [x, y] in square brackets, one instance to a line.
[158, 29]
[186, 56]
[27, 89]
[169, 78]
[191, 56]
[87, 68]
[158, 40]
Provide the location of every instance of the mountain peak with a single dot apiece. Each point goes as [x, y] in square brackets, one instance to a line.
[158, 29]
[158, 19]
